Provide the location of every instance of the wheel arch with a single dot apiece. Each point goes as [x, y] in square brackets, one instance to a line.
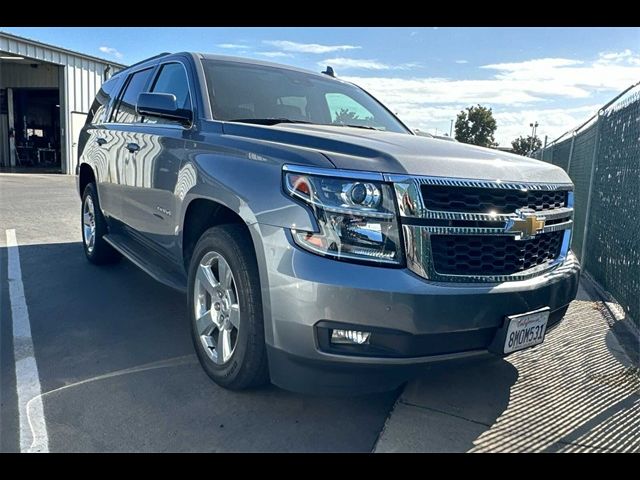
[86, 176]
[200, 214]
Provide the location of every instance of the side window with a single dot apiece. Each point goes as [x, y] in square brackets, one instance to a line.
[294, 108]
[125, 111]
[101, 102]
[344, 109]
[172, 78]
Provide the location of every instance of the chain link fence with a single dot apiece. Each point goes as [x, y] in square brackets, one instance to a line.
[602, 157]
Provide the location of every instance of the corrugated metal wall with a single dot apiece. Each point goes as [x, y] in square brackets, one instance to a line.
[80, 80]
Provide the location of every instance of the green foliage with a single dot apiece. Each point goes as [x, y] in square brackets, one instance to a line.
[525, 145]
[349, 117]
[476, 126]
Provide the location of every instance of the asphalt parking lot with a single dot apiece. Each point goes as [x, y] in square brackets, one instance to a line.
[117, 371]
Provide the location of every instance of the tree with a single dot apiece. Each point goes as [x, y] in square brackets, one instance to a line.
[476, 126]
[344, 115]
[525, 145]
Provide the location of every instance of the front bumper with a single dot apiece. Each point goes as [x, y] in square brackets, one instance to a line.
[419, 321]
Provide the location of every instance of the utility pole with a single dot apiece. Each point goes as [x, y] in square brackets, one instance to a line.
[533, 126]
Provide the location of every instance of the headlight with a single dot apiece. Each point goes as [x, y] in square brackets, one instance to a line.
[357, 218]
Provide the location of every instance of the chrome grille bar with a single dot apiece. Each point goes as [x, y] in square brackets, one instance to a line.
[417, 232]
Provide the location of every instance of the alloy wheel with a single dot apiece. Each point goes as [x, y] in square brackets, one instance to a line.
[217, 311]
[89, 223]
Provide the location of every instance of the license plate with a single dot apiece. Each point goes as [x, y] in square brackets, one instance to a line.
[526, 330]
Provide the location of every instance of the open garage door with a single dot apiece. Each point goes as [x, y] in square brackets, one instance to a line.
[30, 119]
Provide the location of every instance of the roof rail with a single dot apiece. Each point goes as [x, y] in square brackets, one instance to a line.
[163, 54]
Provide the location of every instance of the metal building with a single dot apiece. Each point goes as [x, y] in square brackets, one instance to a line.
[45, 95]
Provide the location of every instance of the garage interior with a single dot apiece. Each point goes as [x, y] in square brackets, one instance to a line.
[30, 117]
[45, 95]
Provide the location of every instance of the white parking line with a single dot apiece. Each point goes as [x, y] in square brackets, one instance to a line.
[33, 427]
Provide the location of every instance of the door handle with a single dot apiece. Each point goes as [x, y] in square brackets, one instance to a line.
[133, 147]
[100, 141]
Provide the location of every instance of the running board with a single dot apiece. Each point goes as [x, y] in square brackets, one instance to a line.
[149, 262]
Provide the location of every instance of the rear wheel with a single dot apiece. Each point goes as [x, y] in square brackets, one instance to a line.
[94, 228]
[225, 308]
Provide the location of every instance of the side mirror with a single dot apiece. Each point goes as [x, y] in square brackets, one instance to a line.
[162, 105]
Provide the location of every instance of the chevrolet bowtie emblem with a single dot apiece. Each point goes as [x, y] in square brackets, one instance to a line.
[527, 224]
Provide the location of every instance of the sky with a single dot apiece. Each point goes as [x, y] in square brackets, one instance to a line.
[555, 76]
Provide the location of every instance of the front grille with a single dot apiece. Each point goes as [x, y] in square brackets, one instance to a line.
[492, 254]
[484, 200]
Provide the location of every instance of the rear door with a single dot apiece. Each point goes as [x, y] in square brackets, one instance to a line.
[96, 145]
[126, 167]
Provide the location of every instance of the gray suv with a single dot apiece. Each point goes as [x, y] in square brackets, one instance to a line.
[321, 244]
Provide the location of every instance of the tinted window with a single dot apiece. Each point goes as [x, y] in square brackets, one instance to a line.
[126, 108]
[102, 100]
[345, 109]
[172, 79]
[251, 92]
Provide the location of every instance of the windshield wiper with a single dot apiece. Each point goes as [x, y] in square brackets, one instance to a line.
[266, 121]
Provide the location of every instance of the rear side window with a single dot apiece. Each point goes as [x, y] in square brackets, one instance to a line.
[101, 103]
[172, 78]
[125, 111]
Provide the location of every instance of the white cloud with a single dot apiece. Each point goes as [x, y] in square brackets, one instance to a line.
[553, 122]
[433, 90]
[570, 78]
[111, 51]
[274, 54]
[462, 61]
[288, 46]
[347, 63]
[538, 64]
[624, 57]
[231, 46]
[519, 93]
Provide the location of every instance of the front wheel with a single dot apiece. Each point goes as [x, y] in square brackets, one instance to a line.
[225, 308]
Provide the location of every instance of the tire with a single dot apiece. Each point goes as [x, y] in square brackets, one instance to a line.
[99, 252]
[243, 364]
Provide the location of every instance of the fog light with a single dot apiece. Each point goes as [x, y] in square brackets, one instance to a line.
[350, 337]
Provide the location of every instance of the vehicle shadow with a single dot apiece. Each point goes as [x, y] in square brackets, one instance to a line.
[578, 391]
[449, 405]
[118, 371]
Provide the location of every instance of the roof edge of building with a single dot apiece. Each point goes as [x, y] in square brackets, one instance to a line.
[61, 49]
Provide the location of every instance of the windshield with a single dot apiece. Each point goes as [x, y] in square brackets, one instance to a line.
[267, 95]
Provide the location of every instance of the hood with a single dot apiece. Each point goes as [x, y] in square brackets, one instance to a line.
[386, 152]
